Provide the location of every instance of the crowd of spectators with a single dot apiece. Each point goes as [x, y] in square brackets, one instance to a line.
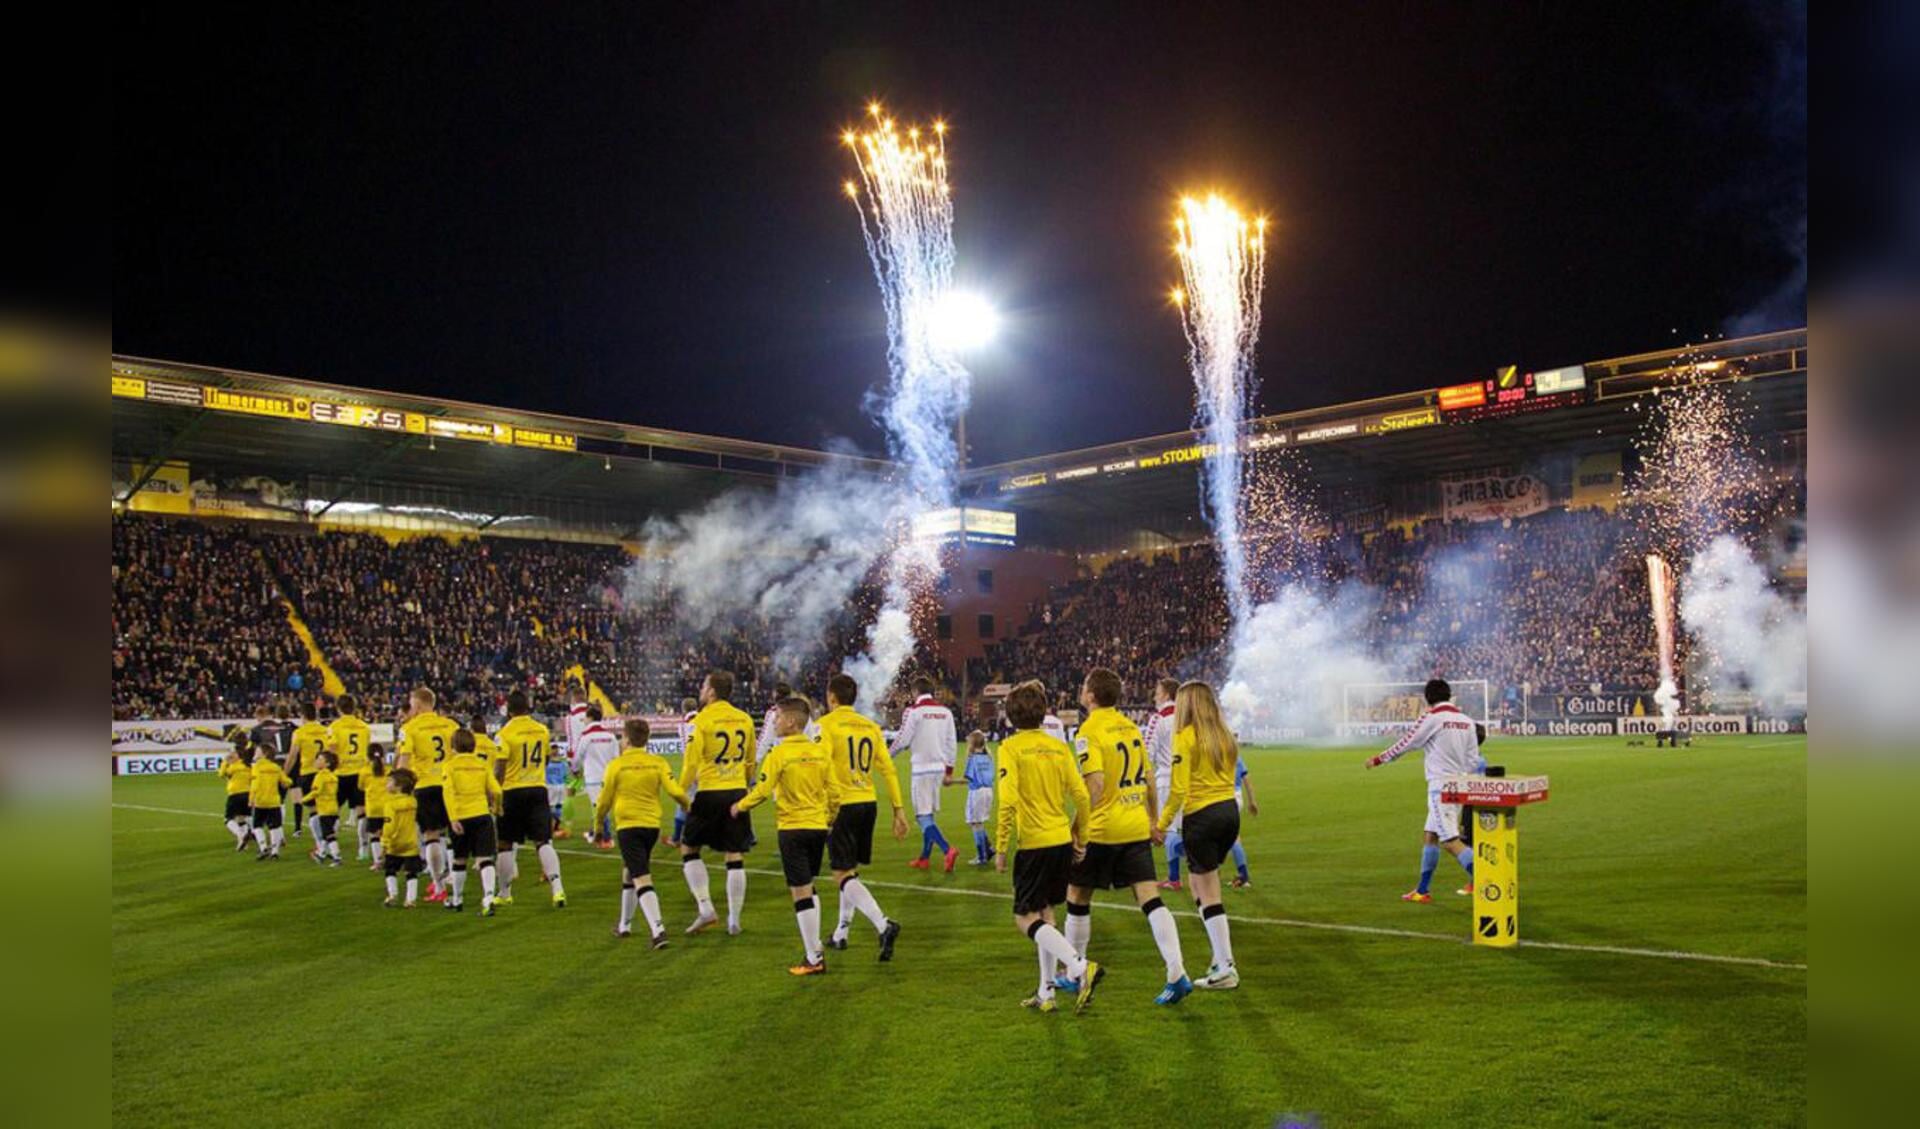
[1554, 603]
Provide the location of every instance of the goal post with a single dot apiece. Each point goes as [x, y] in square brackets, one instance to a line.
[1374, 709]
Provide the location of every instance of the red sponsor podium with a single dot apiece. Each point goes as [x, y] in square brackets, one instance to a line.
[1493, 803]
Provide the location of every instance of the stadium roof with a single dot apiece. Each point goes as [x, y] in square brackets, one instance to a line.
[1152, 482]
[339, 440]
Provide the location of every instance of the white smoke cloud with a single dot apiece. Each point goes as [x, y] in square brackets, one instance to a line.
[1294, 654]
[890, 642]
[1749, 633]
[791, 557]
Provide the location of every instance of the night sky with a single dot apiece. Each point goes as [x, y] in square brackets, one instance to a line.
[633, 212]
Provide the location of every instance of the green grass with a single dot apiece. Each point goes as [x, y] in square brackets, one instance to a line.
[248, 994]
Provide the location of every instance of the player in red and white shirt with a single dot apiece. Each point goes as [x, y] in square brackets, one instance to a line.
[688, 708]
[596, 748]
[1159, 734]
[768, 737]
[1452, 748]
[927, 728]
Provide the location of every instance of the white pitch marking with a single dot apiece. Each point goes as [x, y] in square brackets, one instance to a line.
[1284, 922]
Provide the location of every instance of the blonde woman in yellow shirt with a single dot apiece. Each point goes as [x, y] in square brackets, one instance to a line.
[1205, 755]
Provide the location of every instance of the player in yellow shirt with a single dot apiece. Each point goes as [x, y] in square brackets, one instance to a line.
[307, 743]
[325, 820]
[630, 794]
[400, 837]
[1037, 781]
[1201, 794]
[236, 772]
[520, 763]
[719, 758]
[425, 743]
[264, 789]
[374, 783]
[1113, 760]
[856, 747]
[350, 737]
[797, 769]
[472, 796]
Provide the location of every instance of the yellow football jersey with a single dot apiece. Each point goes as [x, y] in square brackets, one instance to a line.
[238, 775]
[856, 747]
[268, 780]
[427, 741]
[350, 737]
[718, 747]
[325, 793]
[1195, 784]
[524, 747]
[1037, 781]
[470, 789]
[484, 747]
[632, 790]
[1108, 743]
[797, 768]
[309, 741]
[374, 784]
[400, 835]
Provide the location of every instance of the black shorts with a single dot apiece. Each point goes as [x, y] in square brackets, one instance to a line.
[304, 782]
[328, 825]
[267, 817]
[395, 864]
[636, 849]
[476, 839]
[350, 794]
[525, 816]
[432, 808]
[239, 805]
[1114, 866]
[850, 842]
[1209, 834]
[374, 824]
[800, 853]
[1040, 877]
[709, 825]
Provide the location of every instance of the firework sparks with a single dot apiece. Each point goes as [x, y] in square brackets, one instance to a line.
[1660, 585]
[906, 217]
[1223, 259]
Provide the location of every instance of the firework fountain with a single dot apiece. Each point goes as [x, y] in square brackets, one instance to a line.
[1660, 584]
[906, 216]
[1223, 266]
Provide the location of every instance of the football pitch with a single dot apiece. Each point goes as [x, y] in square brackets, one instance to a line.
[1663, 981]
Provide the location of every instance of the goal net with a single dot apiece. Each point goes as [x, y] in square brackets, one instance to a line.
[1376, 709]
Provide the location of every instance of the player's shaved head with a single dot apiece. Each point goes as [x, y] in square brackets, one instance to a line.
[1103, 686]
[638, 732]
[463, 741]
[1027, 705]
[720, 684]
[309, 712]
[422, 697]
[346, 704]
[792, 714]
[843, 689]
[517, 703]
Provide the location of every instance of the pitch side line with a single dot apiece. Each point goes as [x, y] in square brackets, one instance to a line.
[1283, 922]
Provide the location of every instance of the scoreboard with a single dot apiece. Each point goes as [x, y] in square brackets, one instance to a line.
[1511, 392]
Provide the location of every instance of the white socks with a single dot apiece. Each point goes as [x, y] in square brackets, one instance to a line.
[696, 871]
[486, 884]
[459, 877]
[1167, 937]
[650, 908]
[737, 894]
[379, 853]
[627, 898]
[359, 836]
[1049, 968]
[855, 896]
[393, 885]
[1214, 917]
[436, 852]
[1079, 928]
[413, 888]
[260, 837]
[807, 912]
[313, 826]
[508, 868]
[1051, 942]
[549, 866]
[278, 837]
[333, 849]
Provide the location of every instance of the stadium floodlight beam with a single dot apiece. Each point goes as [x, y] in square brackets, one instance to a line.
[963, 321]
